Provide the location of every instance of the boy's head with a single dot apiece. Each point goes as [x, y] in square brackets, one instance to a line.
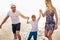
[33, 17]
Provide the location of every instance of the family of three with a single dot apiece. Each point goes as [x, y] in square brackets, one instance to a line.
[50, 25]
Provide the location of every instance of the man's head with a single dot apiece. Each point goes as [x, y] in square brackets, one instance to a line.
[33, 17]
[13, 8]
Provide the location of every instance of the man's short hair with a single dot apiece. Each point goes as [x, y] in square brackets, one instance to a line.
[13, 5]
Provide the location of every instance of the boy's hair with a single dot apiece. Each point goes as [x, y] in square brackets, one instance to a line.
[33, 16]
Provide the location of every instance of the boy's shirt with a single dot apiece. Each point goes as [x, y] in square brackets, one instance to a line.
[34, 25]
[14, 16]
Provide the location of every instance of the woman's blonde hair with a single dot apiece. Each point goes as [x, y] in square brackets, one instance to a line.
[50, 3]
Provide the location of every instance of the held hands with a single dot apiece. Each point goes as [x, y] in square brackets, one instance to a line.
[27, 18]
[40, 11]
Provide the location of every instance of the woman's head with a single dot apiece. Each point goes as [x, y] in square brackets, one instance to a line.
[48, 3]
[33, 17]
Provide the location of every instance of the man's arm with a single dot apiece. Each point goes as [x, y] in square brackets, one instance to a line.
[23, 16]
[4, 20]
[43, 14]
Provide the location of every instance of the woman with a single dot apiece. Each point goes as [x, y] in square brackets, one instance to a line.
[50, 24]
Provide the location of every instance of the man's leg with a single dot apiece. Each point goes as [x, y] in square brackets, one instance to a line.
[14, 31]
[30, 35]
[18, 35]
[15, 37]
[35, 35]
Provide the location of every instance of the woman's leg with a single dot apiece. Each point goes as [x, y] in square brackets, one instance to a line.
[50, 32]
[46, 32]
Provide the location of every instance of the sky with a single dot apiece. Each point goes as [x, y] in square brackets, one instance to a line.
[27, 7]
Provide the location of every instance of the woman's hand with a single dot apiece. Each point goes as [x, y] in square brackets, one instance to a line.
[56, 26]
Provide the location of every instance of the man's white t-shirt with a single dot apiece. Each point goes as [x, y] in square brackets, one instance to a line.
[34, 25]
[14, 16]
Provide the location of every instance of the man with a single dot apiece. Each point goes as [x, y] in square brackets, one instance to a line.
[14, 14]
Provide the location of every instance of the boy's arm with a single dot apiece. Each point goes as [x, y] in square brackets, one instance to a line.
[25, 17]
[28, 21]
[39, 17]
[43, 14]
[4, 20]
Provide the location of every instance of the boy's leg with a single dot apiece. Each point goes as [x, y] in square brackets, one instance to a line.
[35, 35]
[18, 35]
[30, 35]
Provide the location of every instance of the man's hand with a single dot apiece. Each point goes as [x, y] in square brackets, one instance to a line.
[0, 26]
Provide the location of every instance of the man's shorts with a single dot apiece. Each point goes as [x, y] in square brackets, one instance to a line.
[16, 27]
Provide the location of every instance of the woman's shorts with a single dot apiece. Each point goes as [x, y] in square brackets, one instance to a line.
[49, 26]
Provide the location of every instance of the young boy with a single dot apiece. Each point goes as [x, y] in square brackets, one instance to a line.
[14, 14]
[34, 24]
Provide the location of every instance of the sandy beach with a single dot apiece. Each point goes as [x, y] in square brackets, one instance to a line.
[6, 33]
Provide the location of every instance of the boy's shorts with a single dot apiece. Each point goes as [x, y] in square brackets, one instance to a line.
[16, 27]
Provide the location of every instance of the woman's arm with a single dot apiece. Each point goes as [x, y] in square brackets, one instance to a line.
[43, 14]
[56, 18]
